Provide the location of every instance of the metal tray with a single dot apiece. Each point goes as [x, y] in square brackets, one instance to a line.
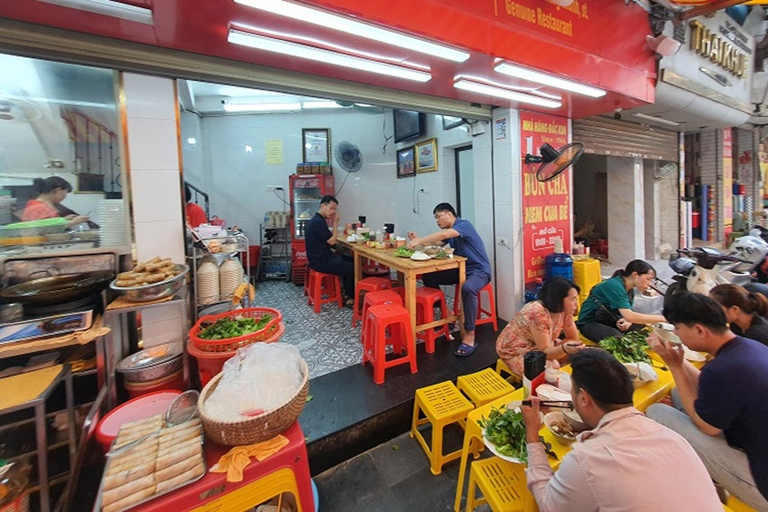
[97, 505]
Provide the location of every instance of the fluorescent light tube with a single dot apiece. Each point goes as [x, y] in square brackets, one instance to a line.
[261, 107]
[108, 8]
[350, 26]
[543, 78]
[325, 56]
[490, 90]
[657, 119]
[320, 104]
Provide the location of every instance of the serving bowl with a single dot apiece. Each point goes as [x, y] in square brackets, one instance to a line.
[575, 420]
[666, 332]
[641, 373]
[154, 291]
[550, 421]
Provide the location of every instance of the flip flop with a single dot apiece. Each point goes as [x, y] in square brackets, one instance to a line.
[464, 350]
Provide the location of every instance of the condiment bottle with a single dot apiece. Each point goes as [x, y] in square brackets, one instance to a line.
[534, 363]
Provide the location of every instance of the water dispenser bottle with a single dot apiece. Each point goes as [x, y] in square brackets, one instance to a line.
[559, 263]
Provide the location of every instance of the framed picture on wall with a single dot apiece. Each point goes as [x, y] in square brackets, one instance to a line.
[406, 166]
[316, 145]
[425, 154]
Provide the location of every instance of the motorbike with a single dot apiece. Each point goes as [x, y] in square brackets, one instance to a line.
[700, 269]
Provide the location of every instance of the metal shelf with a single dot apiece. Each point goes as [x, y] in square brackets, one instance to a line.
[84, 373]
[181, 296]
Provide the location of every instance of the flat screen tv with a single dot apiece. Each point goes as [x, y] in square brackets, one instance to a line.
[408, 124]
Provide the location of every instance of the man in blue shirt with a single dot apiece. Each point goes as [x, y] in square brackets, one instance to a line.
[462, 236]
[319, 241]
[722, 410]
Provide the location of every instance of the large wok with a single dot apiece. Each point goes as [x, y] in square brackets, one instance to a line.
[50, 291]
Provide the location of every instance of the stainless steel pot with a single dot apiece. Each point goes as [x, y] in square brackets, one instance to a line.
[152, 363]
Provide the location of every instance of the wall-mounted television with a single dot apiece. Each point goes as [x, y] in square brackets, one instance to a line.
[408, 124]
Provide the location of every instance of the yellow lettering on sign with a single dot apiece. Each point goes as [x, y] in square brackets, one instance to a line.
[533, 214]
[717, 50]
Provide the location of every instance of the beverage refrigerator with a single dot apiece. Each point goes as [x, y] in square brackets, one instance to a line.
[305, 192]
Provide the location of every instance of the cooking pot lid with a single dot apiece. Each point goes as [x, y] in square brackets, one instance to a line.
[150, 357]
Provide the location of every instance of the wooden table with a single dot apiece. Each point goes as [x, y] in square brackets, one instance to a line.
[407, 272]
[643, 397]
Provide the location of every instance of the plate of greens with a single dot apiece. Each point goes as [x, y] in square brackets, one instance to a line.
[403, 252]
[233, 327]
[629, 348]
[504, 434]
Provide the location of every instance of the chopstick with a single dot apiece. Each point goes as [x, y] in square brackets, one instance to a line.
[552, 404]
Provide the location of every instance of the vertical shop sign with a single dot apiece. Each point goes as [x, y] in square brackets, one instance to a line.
[763, 156]
[727, 182]
[546, 206]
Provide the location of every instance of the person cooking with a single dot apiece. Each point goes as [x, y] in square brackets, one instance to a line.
[49, 192]
[463, 237]
[608, 309]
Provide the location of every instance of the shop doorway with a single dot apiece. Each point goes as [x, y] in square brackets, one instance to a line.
[465, 183]
[590, 203]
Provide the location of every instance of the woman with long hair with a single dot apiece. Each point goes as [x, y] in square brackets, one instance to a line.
[49, 192]
[744, 310]
[539, 324]
[608, 309]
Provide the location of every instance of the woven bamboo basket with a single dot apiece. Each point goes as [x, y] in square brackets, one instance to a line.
[256, 429]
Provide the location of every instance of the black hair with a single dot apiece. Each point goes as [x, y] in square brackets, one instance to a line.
[444, 207]
[328, 199]
[44, 186]
[691, 309]
[602, 376]
[187, 192]
[639, 266]
[554, 291]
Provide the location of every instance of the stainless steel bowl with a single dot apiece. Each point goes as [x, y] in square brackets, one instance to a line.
[152, 363]
[156, 291]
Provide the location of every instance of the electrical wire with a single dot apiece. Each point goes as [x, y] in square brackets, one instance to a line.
[343, 183]
[384, 132]
[414, 198]
[274, 191]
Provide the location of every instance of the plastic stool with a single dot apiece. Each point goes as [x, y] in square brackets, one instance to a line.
[586, 274]
[491, 313]
[737, 505]
[319, 284]
[369, 284]
[501, 366]
[483, 386]
[372, 268]
[377, 320]
[426, 300]
[502, 485]
[379, 298]
[306, 281]
[442, 404]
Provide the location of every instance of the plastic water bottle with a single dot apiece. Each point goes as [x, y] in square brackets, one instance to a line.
[559, 263]
[532, 294]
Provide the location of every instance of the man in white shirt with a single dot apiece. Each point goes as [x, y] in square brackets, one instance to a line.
[626, 462]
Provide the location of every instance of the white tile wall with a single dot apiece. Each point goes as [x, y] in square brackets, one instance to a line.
[156, 195]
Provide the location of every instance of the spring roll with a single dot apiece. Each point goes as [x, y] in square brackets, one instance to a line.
[177, 469]
[184, 452]
[119, 479]
[130, 500]
[130, 462]
[180, 437]
[132, 487]
[178, 428]
[169, 448]
[142, 423]
[180, 479]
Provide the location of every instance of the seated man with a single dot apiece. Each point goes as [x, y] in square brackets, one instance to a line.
[319, 241]
[721, 410]
[462, 236]
[625, 462]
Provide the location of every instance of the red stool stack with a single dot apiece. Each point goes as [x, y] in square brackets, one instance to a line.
[324, 284]
[379, 298]
[491, 312]
[363, 287]
[379, 319]
[426, 300]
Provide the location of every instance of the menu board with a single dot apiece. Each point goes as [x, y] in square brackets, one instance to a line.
[546, 206]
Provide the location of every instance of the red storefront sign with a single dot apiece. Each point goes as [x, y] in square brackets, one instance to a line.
[546, 206]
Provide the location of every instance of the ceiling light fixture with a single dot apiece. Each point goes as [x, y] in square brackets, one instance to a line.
[108, 8]
[349, 26]
[325, 56]
[261, 107]
[543, 78]
[467, 85]
[320, 104]
[657, 119]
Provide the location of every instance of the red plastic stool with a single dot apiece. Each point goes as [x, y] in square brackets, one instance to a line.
[426, 299]
[307, 277]
[491, 313]
[363, 287]
[377, 320]
[324, 284]
[379, 298]
[372, 268]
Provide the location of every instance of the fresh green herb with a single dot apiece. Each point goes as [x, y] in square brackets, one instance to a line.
[309, 397]
[440, 255]
[233, 327]
[506, 430]
[403, 252]
[630, 348]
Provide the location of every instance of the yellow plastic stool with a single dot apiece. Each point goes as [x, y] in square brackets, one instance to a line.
[501, 366]
[442, 404]
[737, 505]
[257, 492]
[586, 274]
[483, 387]
[501, 484]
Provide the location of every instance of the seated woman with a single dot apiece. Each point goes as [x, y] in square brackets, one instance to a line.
[538, 325]
[49, 192]
[608, 309]
[744, 310]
